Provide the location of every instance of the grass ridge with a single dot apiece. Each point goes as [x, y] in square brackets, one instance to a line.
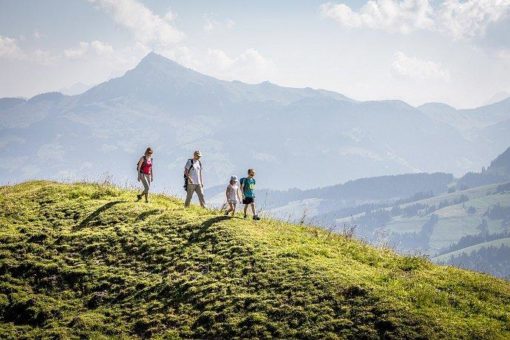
[84, 260]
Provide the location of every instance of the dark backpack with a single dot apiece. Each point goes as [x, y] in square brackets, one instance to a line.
[185, 186]
[143, 164]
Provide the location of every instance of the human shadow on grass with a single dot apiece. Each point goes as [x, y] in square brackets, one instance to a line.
[200, 233]
[146, 214]
[95, 214]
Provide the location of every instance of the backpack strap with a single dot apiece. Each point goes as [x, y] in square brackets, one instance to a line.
[143, 163]
[191, 165]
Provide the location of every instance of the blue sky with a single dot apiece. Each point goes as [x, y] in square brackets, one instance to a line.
[419, 51]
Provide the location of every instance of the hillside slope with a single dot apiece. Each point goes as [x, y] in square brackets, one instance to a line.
[85, 260]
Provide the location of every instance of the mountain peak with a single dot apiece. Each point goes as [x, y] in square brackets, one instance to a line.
[156, 66]
[156, 60]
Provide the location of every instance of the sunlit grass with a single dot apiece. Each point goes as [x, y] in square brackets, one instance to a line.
[86, 260]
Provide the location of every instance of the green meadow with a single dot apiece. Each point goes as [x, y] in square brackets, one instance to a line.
[86, 261]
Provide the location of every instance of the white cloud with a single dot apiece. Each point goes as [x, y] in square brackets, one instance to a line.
[101, 48]
[389, 15]
[249, 66]
[411, 67]
[148, 28]
[9, 49]
[181, 54]
[466, 19]
[76, 53]
[98, 47]
[458, 19]
[212, 24]
[219, 59]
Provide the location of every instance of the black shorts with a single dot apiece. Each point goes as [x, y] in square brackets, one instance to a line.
[248, 200]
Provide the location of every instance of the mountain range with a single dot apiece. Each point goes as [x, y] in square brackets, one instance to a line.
[295, 138]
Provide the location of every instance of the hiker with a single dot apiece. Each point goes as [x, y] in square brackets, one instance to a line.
[145, 174]
[248, 191]
[193, 179]
[233, 196]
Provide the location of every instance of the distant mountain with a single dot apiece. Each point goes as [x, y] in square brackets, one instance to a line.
[8, 103]
[367, 190]
[487, 127]
[497, 172]
[294, 137]
[497, 97]
[75, 89]
[467, 119]
[501, 165]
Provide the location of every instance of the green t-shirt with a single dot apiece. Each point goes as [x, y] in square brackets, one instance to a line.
[249, 187]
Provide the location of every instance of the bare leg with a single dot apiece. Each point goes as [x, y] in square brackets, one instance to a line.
[233, 209]
[229, 209]
[245, 209]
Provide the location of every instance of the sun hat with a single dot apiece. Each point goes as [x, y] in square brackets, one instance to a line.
[233, 178]
[197, 153]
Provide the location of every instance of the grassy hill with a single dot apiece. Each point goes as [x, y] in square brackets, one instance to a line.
[84, 260]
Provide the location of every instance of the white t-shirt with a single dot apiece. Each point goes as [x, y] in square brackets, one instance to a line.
[232, 192]
[194, 172]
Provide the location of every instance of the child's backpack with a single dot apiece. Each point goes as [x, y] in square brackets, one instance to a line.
[241, 183]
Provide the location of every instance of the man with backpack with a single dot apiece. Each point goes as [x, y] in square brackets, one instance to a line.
[193, 179]
[248, 191]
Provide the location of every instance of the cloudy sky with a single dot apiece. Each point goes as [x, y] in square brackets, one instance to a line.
[452, 51]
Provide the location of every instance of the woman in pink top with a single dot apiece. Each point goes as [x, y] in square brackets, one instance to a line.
[145, 174]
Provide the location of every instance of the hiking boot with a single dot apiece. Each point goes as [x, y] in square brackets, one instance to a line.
[245, 216]
[226, 213]
[138, 197]
[256, 217]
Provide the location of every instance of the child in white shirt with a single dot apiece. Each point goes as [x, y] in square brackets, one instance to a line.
[233, 195]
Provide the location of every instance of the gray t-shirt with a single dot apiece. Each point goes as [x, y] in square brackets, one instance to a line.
[194, 171]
